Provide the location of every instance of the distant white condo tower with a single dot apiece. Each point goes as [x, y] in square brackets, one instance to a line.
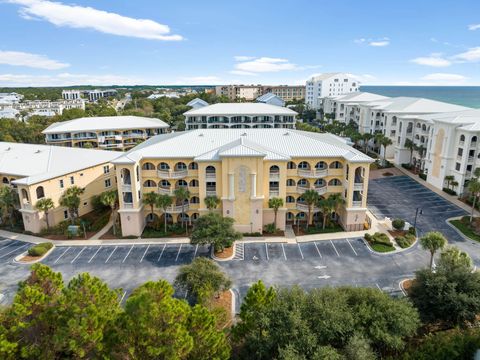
[328, 84]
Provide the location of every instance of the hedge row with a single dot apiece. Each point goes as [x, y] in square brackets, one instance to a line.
[40, 249]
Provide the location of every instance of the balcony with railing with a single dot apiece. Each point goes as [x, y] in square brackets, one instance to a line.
[304, 207]
[110, 145]
[210, 175]
[172, 174]
[274, 176]
[301, 189]
[211, 191]
[164, 190]
[315, 173]
[177, 209]
[126, 187]
[321, 189]
[127, 205]
[274, 192]
[357, 203]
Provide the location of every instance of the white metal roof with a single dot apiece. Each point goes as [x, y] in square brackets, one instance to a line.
[36, 163]
[325, 76]
[414, 105]
[467, 120]
[197, 101]
[239, 109]
[98, 123]
[359, 96]
[272, 144]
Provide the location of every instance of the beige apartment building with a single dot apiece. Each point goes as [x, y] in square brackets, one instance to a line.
[42, 171]
[251, 92]
[244, 168]
[105, 132]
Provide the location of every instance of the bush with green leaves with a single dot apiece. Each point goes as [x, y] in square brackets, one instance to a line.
[40, 249]
[405, 241]
[398, 224]
[378, 238]
[216, 230]
[270, 228]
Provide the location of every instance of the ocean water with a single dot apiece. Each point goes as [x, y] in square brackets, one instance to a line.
[460, 95]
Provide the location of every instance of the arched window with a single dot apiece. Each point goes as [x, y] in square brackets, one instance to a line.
[164, 184]
[291, 165]
[303, 183]
[274, 169]
[40, 192]
[336, 165]
[320, 183]
[417, 137]
[194, 183]
[193, 166]
[181, 184]
[321, 165]
[210, 169]
[148, 166]
[462, 137]
[5, 180]
[126, 179]
[304, 165]
[474, 139]
[335, 182]
[300, 200]
[149, 183]
[180, 166]
[290, 199]
[418, 125]
[195, 200]
[290, 182]
[163, 166]
[424, 127]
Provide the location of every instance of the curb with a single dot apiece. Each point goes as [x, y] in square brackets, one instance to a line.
[396, 251]
[465, 237]
[223, 259]
[17, 258]
[233, 305]
[400, 285]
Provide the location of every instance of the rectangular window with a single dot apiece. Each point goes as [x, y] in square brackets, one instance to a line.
[108, 183]
[61, 184]
[106, 169]
[72, 180]
[457, 166]
[65, 214]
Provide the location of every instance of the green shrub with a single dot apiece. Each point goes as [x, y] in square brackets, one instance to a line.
[254, 234]
[407, 166]
[422, 176]
[405, 241]
[368, 237]
[411, 230]
[40, 249]
[398, 224]
[450, 191]
[381, 238]
[270, 228]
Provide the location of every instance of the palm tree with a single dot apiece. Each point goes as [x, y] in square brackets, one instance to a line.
[163, 202]
[433, 241]
[275, 203]
[421, 151]
[449, 179]
[71, 200]
[150, 199]
[476, 172]
[385, 141]
[336, 200]
[366, 138]
[454, 184]
[110, 198]
[181, 194]
[474, 188]
[325, 206]
[8, 200]
[45, 205]
[311, 198]
[211, 202]
[410, 145]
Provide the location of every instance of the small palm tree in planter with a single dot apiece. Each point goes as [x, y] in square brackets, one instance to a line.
[311, 198]
[182, 194]
[474, 189]
[110, 198]
[275, 203]
[150, 199]
[433, 241]
[45, 205]
[211, 202]
[164, 201]
[448, 179]
[410, 145]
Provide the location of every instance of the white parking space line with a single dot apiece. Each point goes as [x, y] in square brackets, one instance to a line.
[126, 256]
[196, 249]
[301, 252]
[20, 247]
[378, 287]
[164, 246]
[352, 247]
[76, 257]
[318, 250]
[123, 296]
[62, 255]
[145, 253]
[334, 248]
[109, 256]
[96, 252]
[178, 253]
[6, 246]
[266, 250]
[284, 255]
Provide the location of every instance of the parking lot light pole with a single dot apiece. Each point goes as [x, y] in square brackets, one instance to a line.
[417, 212]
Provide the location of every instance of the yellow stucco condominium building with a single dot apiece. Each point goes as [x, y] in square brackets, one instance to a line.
[104, 132]
[244, 168]
[42, 171]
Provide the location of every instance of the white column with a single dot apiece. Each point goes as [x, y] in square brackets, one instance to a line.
[254, 185]
[231, 186]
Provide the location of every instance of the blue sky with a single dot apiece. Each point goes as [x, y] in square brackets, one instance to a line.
[108, 42]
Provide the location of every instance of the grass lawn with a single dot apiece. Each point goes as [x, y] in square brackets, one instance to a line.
[382, 247]
[465, 229]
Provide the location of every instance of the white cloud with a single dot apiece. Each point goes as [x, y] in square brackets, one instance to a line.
[474, 27]
[67, 79]
[385, 41]
[445, 77]
[18, 58]
[240, 72]
[264, 65]
[434, 60]
[243, 58]
[81, 17]
[471, 55]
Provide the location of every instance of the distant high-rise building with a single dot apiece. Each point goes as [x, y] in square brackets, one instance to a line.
[251, 92]
[328, 84]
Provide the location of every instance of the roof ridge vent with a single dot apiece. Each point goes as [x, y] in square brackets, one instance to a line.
[8, 149]
[286, 134]
[201, 134]
[244, 134]
[37, 151]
